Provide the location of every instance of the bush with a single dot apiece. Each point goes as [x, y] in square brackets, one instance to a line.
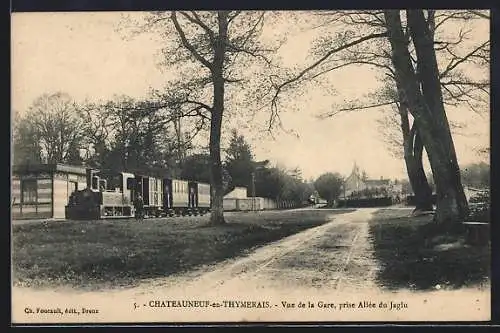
[479, 207]
[360, 203]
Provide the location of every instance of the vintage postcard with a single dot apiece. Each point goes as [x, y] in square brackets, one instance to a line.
[250, 166]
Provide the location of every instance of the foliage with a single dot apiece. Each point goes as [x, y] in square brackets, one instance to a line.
[118, 134]
[360, 202]
[476, 175]
[281, 185]
[197, 167]
[370, 193]
[124, 133]
[480, 207]
[239, 161]
[329, 186]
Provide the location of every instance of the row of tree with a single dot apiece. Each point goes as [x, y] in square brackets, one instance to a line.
[124, 135]
[120, 134]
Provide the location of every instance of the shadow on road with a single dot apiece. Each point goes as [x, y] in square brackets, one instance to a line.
[412, 255]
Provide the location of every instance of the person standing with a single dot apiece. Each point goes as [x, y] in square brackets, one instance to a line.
[139, 207]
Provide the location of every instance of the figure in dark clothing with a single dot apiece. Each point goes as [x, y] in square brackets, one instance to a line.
[139, 207]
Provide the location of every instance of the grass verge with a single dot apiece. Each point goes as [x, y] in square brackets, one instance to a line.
[414, 254]
[103, 254]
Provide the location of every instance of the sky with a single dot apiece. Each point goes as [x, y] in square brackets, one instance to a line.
[85, 56]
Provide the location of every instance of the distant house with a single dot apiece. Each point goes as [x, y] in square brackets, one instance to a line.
[356, 183]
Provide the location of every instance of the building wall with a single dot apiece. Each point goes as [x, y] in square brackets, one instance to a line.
[46, 189]
[61, 195]
[64, 185]
[246, 204]
[43, 208]
[354, 183]
[41, 204]
[15, 191]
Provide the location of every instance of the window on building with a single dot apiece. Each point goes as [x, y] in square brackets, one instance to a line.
[28, 195]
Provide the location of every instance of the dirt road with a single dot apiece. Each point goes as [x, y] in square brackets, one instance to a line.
[333, 256]
[325, 273]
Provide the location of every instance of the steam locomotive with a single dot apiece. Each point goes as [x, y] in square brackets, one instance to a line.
[111, 195]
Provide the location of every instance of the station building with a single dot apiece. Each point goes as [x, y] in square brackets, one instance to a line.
[43, 190]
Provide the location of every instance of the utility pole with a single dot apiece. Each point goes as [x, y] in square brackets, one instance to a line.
[253, 191]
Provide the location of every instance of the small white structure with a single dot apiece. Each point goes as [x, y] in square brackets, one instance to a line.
[41, 191]
[237, 200]
[237, 193]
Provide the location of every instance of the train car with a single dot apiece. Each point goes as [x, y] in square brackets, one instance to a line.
[180, 197]
[151, 190]
[110, 194]
[168, 201]
[203, 198]
[193, 198]
[107, 195]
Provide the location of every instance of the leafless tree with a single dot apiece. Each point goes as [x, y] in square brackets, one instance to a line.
[421, 94]
[363, 40]
[211, 50]
[52, 123]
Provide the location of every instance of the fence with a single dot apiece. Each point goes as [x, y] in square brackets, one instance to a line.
[371, 202]
[257, 203]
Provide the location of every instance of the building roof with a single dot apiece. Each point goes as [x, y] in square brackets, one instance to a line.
[39, 168]
[237, 193]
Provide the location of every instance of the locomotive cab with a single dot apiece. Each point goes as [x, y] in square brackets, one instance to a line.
[106, 196]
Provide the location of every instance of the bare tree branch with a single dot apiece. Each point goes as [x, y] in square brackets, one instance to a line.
[458, 60]
[197, 20]
[279, 88]
[356, 108]
[187, 44]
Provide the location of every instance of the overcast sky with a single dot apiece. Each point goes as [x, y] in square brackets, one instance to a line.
[83, 55]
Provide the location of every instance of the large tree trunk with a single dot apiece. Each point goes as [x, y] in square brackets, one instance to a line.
[423, 191]
[451, 201]
[417, 177]
[217, 209]
[413, 153]
[429, 118]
